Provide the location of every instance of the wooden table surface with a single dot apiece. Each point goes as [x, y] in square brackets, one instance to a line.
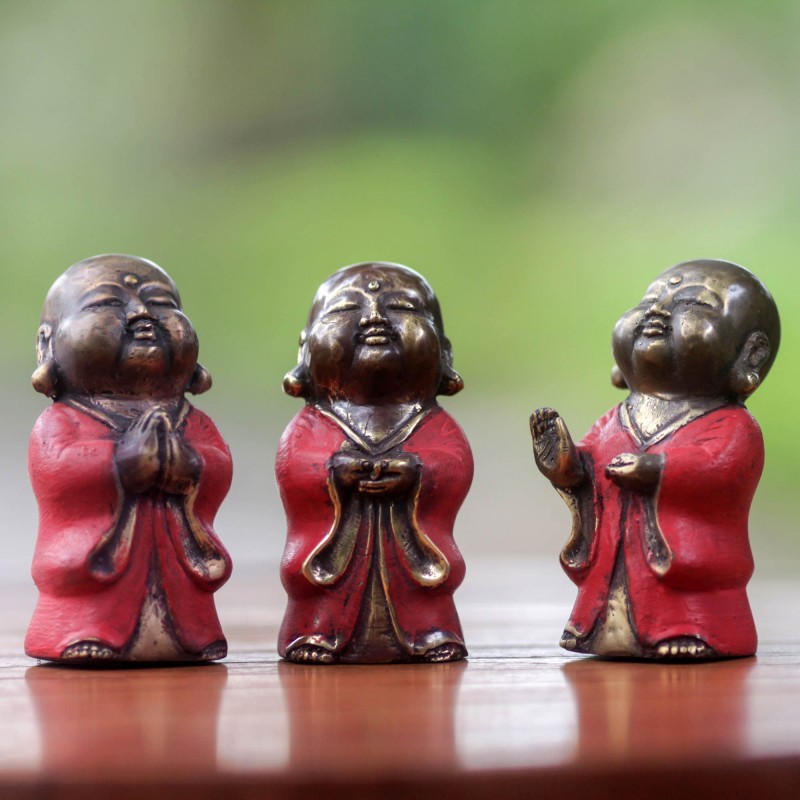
[521, 718]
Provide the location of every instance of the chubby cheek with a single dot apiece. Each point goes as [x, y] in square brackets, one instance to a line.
[182, 339]
[420, 346]
[701, 342]
[329, 352]
[623, 338]
[91, 342]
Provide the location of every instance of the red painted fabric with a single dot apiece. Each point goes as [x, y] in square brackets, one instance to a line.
[331, 612]
[711, 470]
[71, 464]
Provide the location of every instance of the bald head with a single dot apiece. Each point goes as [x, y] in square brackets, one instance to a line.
[112, 325]
[129, 271]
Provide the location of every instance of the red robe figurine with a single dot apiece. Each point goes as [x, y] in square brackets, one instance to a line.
[686, 553]
[127, 474]
[661, 487]
[372, 473]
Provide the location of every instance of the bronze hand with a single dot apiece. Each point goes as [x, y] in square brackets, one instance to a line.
[391, 475]
[138, 455]
[640, 472]
[553, 449]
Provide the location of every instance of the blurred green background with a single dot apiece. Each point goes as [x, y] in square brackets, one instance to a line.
[540, 162]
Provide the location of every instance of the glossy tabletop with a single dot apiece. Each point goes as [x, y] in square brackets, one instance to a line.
[520, 718]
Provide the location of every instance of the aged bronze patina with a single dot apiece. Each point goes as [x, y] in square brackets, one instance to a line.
[128, 475]
[372, 579]
[660, 489]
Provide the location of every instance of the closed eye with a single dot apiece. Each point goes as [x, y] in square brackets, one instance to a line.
[160, 300]
[103, 302]
[401, 305]
[341, 307]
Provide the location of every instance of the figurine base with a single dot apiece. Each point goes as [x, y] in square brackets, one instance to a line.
[682, 648]
[313, 654]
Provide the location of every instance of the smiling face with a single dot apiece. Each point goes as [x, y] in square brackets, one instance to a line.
[375, 334]
[116, 328]
[695, 327]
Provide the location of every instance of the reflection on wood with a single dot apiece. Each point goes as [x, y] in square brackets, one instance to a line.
[118, 722]
[388, 717]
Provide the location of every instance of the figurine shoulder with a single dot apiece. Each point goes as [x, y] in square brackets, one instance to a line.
[607, 425]
[62, 421]
[309, 425]
[198, 423]
[439, 425]
[729, 422]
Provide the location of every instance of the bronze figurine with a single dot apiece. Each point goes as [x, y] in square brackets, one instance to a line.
[660, 488]
[128, 475]
[372, 473]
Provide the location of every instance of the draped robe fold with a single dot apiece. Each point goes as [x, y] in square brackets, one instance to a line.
[102, 551]
[339, 543]
[685, 549]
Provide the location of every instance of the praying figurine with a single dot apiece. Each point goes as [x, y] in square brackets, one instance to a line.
[372, 473]
[660, 488]
[127, 474]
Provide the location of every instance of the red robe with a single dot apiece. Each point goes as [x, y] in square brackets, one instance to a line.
[324, 608]
[99, 548]
[687, 556]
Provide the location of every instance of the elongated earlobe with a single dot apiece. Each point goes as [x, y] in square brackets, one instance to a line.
[617, 378]
[451, 383]
[746, 372]
[45, 378]
[201, 380]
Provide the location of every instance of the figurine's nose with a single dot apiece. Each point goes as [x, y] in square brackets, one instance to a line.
[657, 308]
[372, 317]
[136, 309]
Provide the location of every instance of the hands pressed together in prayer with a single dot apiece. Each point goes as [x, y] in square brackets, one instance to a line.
[152, 454]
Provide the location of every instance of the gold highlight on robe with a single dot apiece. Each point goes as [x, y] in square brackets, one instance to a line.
[660, 488]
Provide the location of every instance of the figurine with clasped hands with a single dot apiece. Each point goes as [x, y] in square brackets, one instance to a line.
[660, 488]
[127, 474]
[372, 473]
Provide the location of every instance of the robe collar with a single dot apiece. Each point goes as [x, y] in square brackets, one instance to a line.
[395, 437]
[116, 421]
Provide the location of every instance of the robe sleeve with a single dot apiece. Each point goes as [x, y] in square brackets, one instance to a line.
[302, 474]
[447, 471]
[71, 465]
[585, 504]
[710, 474]
[208, 562]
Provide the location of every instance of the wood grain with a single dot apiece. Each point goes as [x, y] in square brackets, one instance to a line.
[520, 718]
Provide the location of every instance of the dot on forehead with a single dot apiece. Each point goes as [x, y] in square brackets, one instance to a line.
[373, 286]
[675, 280]
[131, 280]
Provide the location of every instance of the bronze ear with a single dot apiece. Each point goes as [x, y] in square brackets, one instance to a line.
[617, 378]
[746, 372]
[297, 383]
[451, 383]
[45, 378]
[201, 380]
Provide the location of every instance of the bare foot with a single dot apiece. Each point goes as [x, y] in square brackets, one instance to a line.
[311, 654]
[89, 651]
[687, 647]
[446, 652]
[215, 651]
[568, 641]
